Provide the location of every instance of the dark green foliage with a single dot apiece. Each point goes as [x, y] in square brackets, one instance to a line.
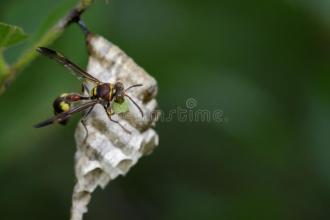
[10, 35]
[265, 64]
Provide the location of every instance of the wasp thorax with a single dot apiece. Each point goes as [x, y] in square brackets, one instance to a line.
[102, 91]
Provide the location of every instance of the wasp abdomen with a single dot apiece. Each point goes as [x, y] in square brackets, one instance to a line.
[61, 105]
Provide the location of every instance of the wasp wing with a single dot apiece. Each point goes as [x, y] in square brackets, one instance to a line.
[59, 58]
[65, 115]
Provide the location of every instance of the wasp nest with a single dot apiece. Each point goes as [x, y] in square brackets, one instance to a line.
[110, 151]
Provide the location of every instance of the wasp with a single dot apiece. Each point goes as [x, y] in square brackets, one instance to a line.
[102, 93]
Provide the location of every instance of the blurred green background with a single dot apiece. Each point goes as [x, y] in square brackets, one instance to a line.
[265, 64]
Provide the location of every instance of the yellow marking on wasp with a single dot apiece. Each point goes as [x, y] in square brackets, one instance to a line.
[111, 90]
[94, 92]
[64, 94]
[64, 106]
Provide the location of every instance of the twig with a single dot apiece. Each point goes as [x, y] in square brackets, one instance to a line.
[10, 73]
[3, 64]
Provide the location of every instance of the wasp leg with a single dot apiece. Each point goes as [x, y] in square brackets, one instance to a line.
[83, 122]
[84, 88]
[109, 113]
[85, 127]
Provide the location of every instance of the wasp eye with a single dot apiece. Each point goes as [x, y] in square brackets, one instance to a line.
[119, 86]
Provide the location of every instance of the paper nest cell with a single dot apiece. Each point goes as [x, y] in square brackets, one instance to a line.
[109, 151]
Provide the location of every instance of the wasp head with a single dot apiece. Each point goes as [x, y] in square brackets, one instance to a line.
[119, 92]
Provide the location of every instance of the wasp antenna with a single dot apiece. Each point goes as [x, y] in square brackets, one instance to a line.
[39, 49]
[45, 51]
[136, 85]
[135, 104]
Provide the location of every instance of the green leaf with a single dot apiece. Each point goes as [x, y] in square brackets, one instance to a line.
[120, 108]
[3, 64]
[10, 35]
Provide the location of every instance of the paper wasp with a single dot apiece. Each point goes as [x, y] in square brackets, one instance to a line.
[102, 93]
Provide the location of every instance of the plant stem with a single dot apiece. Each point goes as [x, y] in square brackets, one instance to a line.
[10, 73]
[3, 64]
